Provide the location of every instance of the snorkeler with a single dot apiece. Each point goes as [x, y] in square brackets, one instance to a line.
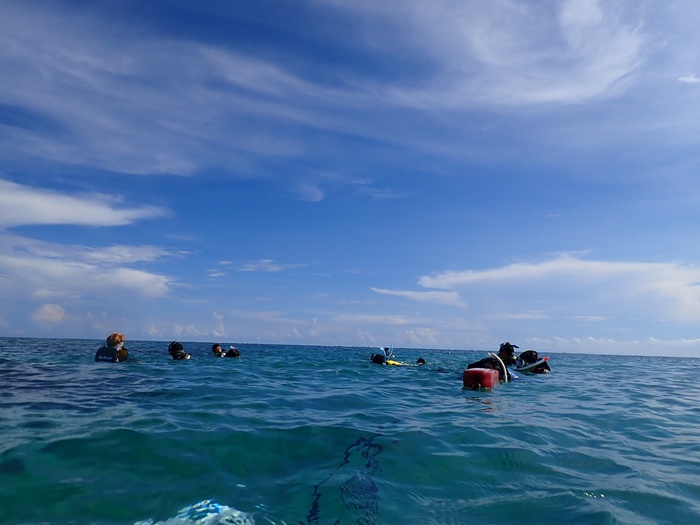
[507, 355]
[177, 351]
[382, 358]
[113, 351]
[529, 361]
[218, 352]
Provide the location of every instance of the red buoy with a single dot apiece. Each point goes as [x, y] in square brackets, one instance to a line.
[476, 378]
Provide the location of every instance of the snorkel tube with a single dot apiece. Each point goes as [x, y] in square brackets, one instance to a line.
[503, 366]
[387, 353]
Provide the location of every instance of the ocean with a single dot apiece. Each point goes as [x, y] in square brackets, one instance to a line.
[319, 435]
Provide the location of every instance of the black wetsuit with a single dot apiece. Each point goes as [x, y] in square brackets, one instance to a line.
[529, 357]
[111, 354]
[492, 363]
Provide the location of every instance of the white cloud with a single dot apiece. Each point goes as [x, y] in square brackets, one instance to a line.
[448, 298]
[508, 52]
[219, 329]
[353, 319]
[422, 337]
[273, 317]
[278, 326]
[188, 330]
[610, 345]
[50, 313]
[119, 99]
[121, 254]
[52, 293]
[152, 330]
[517, 316]
[591, 318]
[662, 287]
[24, 205]
[267, 265]
[310, 192]
[689, 78]
[122, 100]
[45, 269]
[562, 266]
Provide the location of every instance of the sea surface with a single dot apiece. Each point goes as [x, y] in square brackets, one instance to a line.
[319, 435]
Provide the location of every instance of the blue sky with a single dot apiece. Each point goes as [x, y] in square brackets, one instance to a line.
[444, 174]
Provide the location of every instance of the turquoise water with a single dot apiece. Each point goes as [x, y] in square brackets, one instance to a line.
[318, 435]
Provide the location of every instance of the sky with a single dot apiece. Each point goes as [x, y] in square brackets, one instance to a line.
[447, 174]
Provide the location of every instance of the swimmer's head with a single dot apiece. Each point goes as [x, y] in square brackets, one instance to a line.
[420, 361]
[507, 353]
[507, 348]
[115, 339]
[177, 351]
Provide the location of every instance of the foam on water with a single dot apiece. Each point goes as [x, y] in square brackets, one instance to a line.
[205, 513]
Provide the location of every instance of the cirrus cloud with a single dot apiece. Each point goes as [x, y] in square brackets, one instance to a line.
[448, 298]
[24, 205]
[668, 288]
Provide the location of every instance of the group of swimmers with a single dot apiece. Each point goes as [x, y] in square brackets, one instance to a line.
[177, 351]
[114, 350]
[506, 356]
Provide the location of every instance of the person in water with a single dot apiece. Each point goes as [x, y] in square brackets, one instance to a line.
[113, 350]
[232, 352]
[177, 351]
[528, 357]
[218, 352]
[382, 358]
[379, 359]
[507, 354]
